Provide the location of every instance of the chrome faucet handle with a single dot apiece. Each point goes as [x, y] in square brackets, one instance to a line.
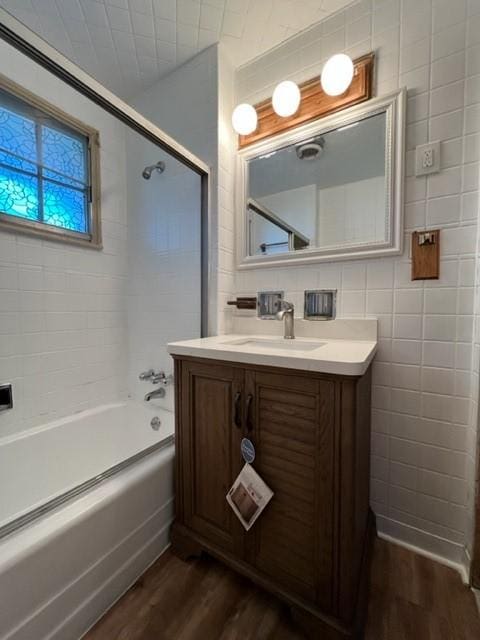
[284, 305]
[147, 375]
[161, 378]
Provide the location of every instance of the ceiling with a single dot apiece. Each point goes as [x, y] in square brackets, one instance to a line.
[127, 45]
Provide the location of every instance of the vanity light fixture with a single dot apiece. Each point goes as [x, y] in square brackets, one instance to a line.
[337, 74]
[244, 119]
[286, 98]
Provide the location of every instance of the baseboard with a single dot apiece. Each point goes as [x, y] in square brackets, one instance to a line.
[438, 549]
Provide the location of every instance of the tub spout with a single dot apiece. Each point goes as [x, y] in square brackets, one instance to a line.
[156, 393]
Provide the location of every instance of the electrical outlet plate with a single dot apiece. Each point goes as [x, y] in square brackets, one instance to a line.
[427, 158]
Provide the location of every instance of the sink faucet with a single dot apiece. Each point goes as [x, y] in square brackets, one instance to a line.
[286, 313]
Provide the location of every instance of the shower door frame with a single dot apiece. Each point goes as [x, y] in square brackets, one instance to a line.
[29, 43]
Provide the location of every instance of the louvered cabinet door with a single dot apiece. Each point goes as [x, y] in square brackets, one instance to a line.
[211, 406]
[291, 420]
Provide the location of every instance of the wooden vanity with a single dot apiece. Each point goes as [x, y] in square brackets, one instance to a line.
[311, 546]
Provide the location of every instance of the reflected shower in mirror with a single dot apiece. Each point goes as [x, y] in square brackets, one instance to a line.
[327, 190]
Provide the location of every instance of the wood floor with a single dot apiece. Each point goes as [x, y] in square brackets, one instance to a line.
[411, 598]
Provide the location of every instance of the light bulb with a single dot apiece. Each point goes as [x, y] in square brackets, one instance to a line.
[244, 119]
[337, 74]
[286, 98]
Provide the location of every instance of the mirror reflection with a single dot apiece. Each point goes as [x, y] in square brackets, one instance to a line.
[325, 191]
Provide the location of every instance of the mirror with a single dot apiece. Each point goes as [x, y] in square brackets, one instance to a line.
[328, 190]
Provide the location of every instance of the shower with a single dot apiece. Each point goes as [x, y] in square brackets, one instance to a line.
[147, 172]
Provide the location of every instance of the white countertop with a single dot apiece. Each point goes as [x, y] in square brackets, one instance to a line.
[336, 356]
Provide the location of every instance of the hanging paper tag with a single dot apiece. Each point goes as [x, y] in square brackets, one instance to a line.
[248, 450]
[248, 496]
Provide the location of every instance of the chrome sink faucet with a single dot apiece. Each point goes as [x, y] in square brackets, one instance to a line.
[286, 313]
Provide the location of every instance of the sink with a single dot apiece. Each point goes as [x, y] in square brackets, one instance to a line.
[267, 344]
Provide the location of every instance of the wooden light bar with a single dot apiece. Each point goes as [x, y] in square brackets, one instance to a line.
[314, 103]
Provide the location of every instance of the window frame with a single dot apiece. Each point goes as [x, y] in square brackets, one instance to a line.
[93, 238]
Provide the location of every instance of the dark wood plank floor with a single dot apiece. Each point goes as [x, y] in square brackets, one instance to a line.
[411, 598]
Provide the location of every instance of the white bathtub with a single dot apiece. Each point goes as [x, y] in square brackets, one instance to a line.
[85, 507]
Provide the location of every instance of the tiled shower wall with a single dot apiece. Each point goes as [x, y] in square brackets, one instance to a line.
[194, 104]
[185, 105]
[62, 308]
[423, 425]
[164, 280]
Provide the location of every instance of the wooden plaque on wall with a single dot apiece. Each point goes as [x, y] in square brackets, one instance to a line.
[314, 103]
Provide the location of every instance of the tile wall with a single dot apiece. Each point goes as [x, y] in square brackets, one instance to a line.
[185, 104]
[62, 308]
[164, 273]
[423, 422]
[77, 325]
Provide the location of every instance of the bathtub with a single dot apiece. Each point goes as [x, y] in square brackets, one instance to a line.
[85, 507]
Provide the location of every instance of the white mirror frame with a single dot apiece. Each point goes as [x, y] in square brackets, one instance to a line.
[394, 106]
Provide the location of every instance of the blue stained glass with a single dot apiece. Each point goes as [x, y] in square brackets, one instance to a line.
[64, 207]
[18, 194]
[37, 180]
[17, 135]
[59, 177]
[63, 154]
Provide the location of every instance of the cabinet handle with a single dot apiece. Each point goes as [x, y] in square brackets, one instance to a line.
[237, 419]
[249, 412]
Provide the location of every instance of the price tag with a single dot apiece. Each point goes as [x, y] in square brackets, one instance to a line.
[248, 450]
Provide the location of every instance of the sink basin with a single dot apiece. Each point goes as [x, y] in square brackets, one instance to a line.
[266, 344]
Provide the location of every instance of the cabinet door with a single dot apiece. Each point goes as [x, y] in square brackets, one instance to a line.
[291, 420]
[211, 405]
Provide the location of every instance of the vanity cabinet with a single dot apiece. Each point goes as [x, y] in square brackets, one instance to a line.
[311, 433]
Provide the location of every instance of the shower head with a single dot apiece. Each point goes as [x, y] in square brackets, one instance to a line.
[147, 172]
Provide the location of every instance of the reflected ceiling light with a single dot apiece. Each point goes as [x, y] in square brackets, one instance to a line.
[337, 74]
[244, 119]
[348, 126]
[286, 98]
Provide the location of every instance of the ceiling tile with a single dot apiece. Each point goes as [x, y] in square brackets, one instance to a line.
[166, 9]
[123, 4]
[95, 13]
[119, 19]
[166, 51]
[71, 9]
[142, 24]
[206, 38]
[123, 41]
[238, 6]
[77, 31]
[165, 30]
[129, 44]
[233, 24]
[188, 12]
[187, 36]
[141, 6]
[145, 46]
[211, 17]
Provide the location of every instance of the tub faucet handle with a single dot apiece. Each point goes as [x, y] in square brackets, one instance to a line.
[147, 375]
[161, 378]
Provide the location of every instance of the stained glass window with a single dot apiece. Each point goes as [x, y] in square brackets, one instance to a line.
[45, 174]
